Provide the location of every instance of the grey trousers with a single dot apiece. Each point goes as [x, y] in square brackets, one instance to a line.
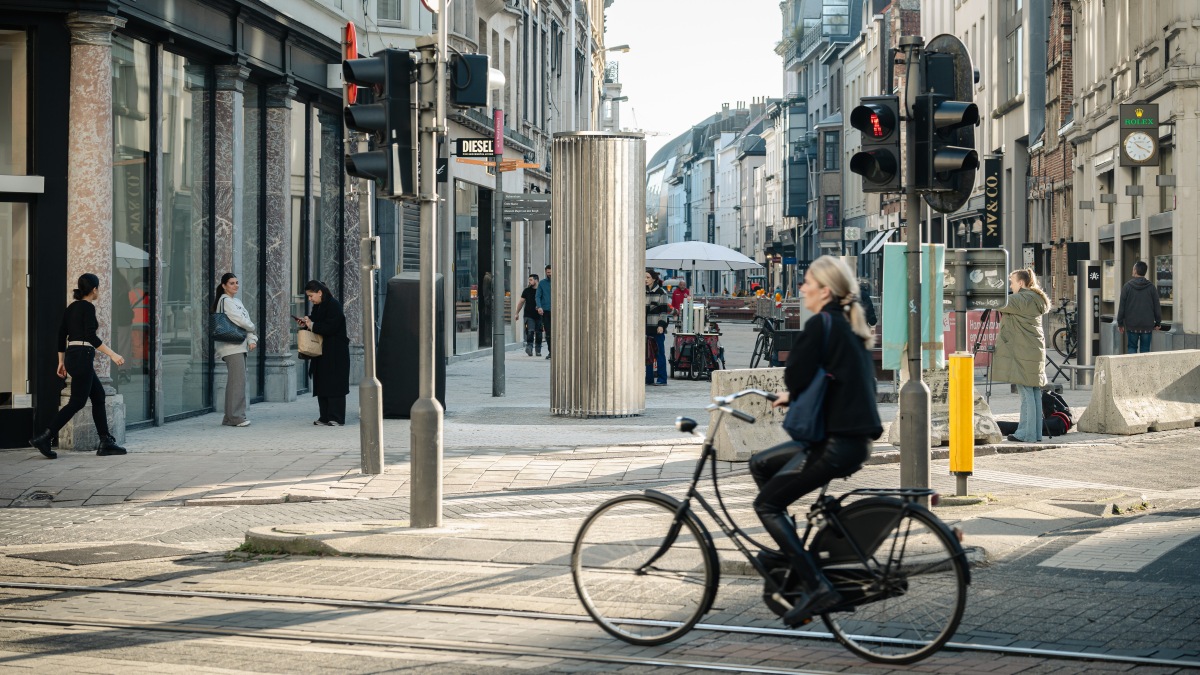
[235, 390]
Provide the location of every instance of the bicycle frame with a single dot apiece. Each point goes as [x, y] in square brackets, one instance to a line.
[825, 508]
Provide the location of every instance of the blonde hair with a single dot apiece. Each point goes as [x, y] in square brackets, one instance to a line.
[1029, 278]
[834, 274]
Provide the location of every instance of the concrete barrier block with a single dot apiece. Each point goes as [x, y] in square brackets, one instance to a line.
[1136, 393]
[986, 429]
[736, 440]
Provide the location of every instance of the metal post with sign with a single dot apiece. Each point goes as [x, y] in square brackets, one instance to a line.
[499, 314]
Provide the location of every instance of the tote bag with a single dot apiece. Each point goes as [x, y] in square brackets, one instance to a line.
[308, 343]
[224, 330]
[805, 419]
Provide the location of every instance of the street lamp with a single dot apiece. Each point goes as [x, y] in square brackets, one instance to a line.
[624, 49]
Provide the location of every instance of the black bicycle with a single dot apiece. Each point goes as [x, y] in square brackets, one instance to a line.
[646, 569]
[765, 343]
[1066, 339]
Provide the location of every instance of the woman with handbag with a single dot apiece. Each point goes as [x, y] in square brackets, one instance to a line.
[331, 370]
[77, 347]
[830, 380]
[233, 353]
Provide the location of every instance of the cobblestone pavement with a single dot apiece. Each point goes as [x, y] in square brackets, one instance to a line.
[1059, 575]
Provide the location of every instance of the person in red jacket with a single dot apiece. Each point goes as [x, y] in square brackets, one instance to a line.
[678, 295]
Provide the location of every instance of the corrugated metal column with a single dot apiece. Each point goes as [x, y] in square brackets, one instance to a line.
[597, 252]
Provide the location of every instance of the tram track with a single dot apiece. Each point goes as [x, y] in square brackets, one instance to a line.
[521, 614]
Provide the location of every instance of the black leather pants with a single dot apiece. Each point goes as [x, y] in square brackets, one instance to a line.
[791, 470]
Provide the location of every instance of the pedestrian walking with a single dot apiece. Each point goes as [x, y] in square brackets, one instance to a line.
[1020, 356]
[234, 353]
[533, 323]
[331, 370]
[657, 311]
[77, 347]
[864, 297]
[543, 306]
[837, 331]
[1140, 312]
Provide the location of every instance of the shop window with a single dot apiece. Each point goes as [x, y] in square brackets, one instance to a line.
[14, 125]
[1162, 271]
[133, 227]
[14, 306]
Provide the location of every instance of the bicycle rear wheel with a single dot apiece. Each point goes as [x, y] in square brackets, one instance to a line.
[1063, 343]
[912, 600]
[634, 599]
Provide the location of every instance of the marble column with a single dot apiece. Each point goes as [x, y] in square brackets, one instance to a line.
[89, 199]
[227, 220]
[275, 336]
[343, 212]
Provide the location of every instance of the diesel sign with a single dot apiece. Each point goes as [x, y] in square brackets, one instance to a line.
[474, 147]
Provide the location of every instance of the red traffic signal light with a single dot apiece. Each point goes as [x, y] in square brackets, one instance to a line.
[877, 117]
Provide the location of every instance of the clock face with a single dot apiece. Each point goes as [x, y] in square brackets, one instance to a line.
[1139, 146]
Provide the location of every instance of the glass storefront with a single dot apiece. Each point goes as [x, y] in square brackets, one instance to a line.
[467, 303]
[187, 284]
[132, 226]
[251, 273]
[299, 149]
[14, 224]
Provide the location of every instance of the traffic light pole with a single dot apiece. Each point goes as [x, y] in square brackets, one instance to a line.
[915, 417]
[370, 390]
[499, 313]
[425, 490]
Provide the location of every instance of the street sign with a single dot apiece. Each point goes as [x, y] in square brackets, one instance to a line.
[853, 233]
[984, 277]
[787, 260]
[474, 147]
[526, 207]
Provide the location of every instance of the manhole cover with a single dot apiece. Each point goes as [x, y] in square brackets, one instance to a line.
[105, 554]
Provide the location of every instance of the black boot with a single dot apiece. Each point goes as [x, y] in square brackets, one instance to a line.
[108, 446]
[42, 443]
[820, 594]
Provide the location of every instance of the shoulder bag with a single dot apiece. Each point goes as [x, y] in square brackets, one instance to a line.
[805, 418]
[225, 330]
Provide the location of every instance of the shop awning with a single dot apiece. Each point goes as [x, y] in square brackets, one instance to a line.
[878, 242]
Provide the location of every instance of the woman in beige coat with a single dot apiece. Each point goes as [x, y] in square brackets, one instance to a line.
[234, 353]
[1021, 351]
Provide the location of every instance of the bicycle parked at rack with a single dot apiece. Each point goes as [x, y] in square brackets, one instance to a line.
[764, 346]
[1066, 339]
[646, 568]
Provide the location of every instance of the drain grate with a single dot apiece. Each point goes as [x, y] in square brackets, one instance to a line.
[106, 554]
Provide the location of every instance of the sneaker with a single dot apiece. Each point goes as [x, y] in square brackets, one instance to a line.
[547, 356]
[332, 423]
[660, 384]
[1014, 439]
[528, 350]
[320, 423]
[539, 353]
[243, 424]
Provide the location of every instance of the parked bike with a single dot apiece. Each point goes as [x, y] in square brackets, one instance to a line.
[764, 346]
[646, 569]
[1066, 339]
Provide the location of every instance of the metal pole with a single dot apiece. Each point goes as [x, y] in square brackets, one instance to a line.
[370, 390]
[426, 417]
[914, 395]
[499, 314]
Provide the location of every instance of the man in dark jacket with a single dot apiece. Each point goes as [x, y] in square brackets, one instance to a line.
[1139, 313]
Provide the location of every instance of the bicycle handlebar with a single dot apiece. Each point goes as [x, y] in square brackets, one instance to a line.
[725, 400]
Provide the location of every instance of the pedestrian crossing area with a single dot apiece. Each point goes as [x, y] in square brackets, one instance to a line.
[1129, 547]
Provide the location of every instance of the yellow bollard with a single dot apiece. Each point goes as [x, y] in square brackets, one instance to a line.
[962, 418]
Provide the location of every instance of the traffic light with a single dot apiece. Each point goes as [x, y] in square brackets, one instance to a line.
[878, 118]
[389, 121]
[469, 80]
[945, 129]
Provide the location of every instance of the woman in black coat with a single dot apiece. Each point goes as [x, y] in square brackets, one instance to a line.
[789, 471]
[331, 370]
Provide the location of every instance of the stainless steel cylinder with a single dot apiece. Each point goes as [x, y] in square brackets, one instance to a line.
[597, 256]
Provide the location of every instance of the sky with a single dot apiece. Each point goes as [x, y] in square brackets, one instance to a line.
[687, 57]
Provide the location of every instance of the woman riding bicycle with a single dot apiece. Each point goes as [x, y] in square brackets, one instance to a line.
[791, 470]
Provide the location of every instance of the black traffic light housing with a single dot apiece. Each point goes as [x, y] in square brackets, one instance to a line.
[945, 134]
[469, 80]
[878, 118]
[389, 122]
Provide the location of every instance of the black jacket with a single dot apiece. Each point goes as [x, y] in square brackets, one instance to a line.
[658, 308]
[850, 401]
[330, 370]
[1140, 309]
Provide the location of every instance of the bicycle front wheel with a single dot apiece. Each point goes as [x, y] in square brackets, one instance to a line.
[760, 350]
[642, 574]
[1063, 343]
[911, 601]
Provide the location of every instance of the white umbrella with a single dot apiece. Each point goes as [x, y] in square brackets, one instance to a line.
[130, 256]
[698, 255]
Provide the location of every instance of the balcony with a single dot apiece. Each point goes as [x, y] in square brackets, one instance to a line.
[482, 123]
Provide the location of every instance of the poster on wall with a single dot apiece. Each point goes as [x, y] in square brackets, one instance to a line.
[1108, 281]
[1163, 278]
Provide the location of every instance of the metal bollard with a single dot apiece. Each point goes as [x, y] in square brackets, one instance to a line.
[962, 418]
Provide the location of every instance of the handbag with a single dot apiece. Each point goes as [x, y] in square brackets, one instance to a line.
[308, 343]
[805, 418]
[225, 330]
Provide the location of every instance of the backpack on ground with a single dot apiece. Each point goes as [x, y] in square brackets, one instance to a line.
[1056, 417]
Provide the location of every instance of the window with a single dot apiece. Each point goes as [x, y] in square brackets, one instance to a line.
[833, 209]
[1013, 62]
[389, 10]
[831, 150]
